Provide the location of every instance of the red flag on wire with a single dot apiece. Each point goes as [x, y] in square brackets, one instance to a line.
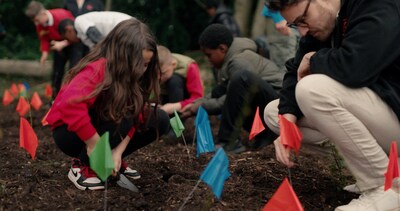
[290, 134]
[14, 90]
[48, 91]
[36, 102]
[22, 106]
[27, 137]
[7, 98]
[257, 126]
[393, 166]
[284, 199]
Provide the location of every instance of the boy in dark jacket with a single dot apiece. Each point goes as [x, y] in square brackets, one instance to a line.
[246, 80]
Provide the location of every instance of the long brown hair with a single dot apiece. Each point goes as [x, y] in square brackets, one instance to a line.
[126, 87]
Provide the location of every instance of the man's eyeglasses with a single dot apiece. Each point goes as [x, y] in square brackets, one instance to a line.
[300, 21]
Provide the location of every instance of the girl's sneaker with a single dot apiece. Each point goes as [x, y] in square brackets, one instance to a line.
[83, 177]
[128, 172]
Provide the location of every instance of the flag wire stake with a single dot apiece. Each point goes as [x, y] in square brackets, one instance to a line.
[105, 195]
[194, 136]
[190, 195]
[187, 149]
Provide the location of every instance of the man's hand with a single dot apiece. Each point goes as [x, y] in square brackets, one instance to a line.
[282, 153]
[304, 67]
[190, 109]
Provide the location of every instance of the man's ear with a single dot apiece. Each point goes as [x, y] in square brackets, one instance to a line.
[223, 48]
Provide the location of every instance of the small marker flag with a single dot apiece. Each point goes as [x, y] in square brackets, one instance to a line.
[48, 91]
[393, 166]
[14, 89]
[27, 137]
[7, 98]
[257, 126]
[177, 125]
[36, 102]
[284, 199]
[22, 106]
[290, 134]
[205, 141]
[217, 172]
[44, 121]
[100, 159]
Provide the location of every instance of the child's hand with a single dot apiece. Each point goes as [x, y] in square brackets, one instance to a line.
[171, 107]
[58, 45]
[43, 58]
[117, 157]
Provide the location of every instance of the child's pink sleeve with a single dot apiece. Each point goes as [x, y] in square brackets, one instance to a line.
[194, 84]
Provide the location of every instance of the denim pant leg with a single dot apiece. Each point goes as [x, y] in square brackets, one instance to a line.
[246, 91]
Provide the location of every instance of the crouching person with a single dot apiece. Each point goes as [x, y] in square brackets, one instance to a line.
[109, 90]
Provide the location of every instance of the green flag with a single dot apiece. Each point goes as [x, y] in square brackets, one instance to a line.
[101, 158]
[177, 125]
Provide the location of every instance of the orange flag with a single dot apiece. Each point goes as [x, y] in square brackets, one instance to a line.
[7, 98]
[27, 137]
[393, 166]
[44, 121]
[22, 106]
[290, 134]
[257, 126]
[36, 102]
[284, 199]
[48, 91]
[14, 89]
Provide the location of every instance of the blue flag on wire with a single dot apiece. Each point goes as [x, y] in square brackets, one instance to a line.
[217, 172]
[205, 141]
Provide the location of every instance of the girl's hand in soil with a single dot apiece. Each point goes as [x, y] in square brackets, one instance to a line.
[282, 153]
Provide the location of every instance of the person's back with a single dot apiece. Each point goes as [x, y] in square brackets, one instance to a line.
[79, 7]
[221, 14]
[104, 22]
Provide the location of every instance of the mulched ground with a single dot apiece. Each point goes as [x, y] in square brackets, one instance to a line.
[168, 176]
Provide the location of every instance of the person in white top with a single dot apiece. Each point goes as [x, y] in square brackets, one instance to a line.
[90, 28]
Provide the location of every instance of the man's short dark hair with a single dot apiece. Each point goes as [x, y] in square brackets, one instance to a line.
[278, 5]
[211, 4]
[215, 35]
[64, 23]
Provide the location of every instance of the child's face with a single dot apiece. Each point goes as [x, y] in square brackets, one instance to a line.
[215, 56]
[70, 34]
[41, 18]
[166, 71]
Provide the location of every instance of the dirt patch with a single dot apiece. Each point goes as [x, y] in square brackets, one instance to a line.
[168, 176]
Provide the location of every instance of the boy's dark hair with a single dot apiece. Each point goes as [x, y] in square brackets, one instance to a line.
[278, 5]
[63, 24]
[211, 4]
[215, 35]
[33, 9]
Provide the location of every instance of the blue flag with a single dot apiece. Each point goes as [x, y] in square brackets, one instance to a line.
[217, 172]
[205, 141]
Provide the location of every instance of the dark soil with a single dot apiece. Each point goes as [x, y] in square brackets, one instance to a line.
[168, 176]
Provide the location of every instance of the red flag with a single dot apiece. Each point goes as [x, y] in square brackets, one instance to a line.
[22, 106]
[393, 166]
[290, 134]
[7, 98]
[284, 199]
[44, 121]
[48, 91]
[27, 137]
[14, 89]
[257, 126]
[36, 102]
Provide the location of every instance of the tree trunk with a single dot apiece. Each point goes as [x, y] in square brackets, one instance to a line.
[258, 27]
[24, 67]
[108, 5]
[242, 14]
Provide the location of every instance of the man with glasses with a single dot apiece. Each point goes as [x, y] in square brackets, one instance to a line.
[344, 85]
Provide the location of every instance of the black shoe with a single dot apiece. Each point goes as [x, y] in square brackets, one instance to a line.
[263, 139]
[128, 172]
[83, 177]
[235, 147]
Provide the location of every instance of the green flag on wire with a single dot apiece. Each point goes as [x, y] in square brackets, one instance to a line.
[177, 125]
[101, 158]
